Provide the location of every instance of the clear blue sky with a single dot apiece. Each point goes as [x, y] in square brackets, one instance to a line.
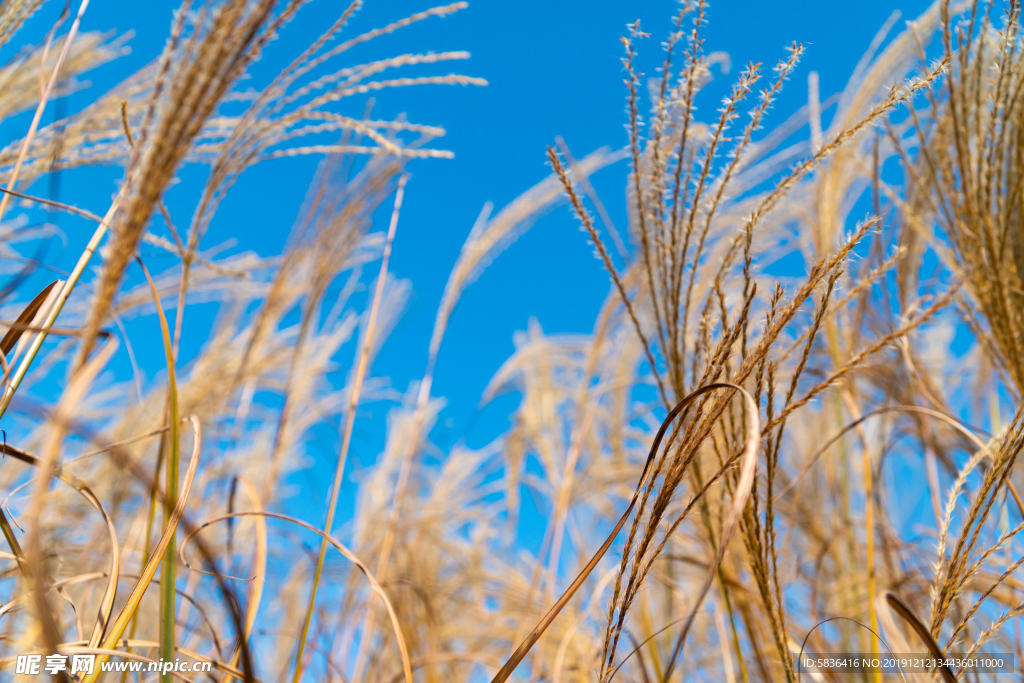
[553, 68]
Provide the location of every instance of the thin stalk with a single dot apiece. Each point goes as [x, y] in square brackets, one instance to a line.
[168, 567]
[869, 533]
[732, 626]
[845, 501]
[869, 529]
[149, 532]
[51, 317]
[357, 385]
[117, 628]
[12, 541]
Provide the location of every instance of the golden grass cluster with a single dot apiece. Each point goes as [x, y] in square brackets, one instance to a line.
[735, 467]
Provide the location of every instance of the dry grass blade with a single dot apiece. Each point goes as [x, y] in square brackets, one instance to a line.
[741, 493]
[867, 402]
[19, 342]
[892, 601]
[19, 326]
[117, 629]
[746, 480]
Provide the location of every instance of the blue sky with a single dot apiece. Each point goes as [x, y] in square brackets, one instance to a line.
[554, 69]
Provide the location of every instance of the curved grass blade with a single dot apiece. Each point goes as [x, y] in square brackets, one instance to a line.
[135, 598]
[349, 555]
[24, 320]
[107, 601]
[739, 501]
[879, 638]
[259, 565]
[890, 602]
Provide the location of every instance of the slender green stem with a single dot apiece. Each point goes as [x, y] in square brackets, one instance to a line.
[149, 533]
[168, 566]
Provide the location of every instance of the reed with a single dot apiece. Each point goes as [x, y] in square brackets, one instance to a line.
[732, 468]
